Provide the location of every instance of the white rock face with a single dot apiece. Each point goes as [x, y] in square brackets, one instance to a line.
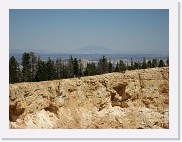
[136, 99]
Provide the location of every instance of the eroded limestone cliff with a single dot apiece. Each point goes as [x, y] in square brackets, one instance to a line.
[135, 99]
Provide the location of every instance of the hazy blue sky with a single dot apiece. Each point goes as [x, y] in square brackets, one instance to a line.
[131, 31]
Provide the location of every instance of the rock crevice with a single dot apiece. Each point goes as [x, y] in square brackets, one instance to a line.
[136, 99]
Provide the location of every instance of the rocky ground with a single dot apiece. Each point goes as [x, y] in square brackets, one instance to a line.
[136, 99]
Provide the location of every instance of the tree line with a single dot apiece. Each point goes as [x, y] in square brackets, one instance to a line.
[33, 69]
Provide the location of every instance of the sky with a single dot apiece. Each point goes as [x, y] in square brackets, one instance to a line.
[122, 30]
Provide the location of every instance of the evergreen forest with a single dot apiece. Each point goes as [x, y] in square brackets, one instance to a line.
[33, 69]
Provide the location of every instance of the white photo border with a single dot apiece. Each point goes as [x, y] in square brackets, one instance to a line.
[171, 133]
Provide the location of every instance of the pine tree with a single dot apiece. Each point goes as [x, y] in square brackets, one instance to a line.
[144, 64]
[99, 67]
[105, 65]
[59, 68]
[65, 73]
[75, 67]
[102, 66]
[41, 71]
[26, 67]
[117, 67]
[33, 64]
[122, 66]
[149, 64]
[90, 69]
[110, 67]
[14, 71]
[136, 65]
[51, 70]
[154, 63]
[161, 63]
[69, 68]
[80, 68]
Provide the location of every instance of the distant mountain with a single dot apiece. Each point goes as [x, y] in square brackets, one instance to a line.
[21, 51]
[93, 50]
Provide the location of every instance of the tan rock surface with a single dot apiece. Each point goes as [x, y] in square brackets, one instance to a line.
[136, 99]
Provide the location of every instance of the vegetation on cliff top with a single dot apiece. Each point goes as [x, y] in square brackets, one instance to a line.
[33, 69]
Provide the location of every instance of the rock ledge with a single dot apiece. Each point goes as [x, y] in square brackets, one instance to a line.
[136, 99]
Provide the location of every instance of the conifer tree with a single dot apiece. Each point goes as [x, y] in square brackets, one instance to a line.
[26, 71]
[80, 68]
[105, 65]
[154, 63]
[99, 67]
[69, 68]
[102, 66]
[90, 69]
[161, 63]
[59, 68]
[117, 67]
[75, 67]
[65, 73]
[136, 65]
[122, 66]
[14, 71]
[33, 64]
[41, 71]
[144, 64]
[149, 64]
[110, 67]
[51, 70]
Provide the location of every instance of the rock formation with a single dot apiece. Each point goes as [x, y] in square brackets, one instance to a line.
[137, 99]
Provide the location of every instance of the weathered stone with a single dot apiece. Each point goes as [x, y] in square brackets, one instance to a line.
[136, 99]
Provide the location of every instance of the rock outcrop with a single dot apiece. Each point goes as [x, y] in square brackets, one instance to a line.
[136, 99]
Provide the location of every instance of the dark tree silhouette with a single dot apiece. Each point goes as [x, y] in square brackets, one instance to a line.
[154, 63]
[144, 63]
[14, 71]
[75, 67]
[102, 66]
[149, 64]
[33, 64]
[110, 67]
[80, 64]
[69, 68]
[59, 68]
[41, 73]
[161, 63]
[34, 69]
[122, 66]
[26, 63]
[90, 69]
[51, 69]
[117, 67]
